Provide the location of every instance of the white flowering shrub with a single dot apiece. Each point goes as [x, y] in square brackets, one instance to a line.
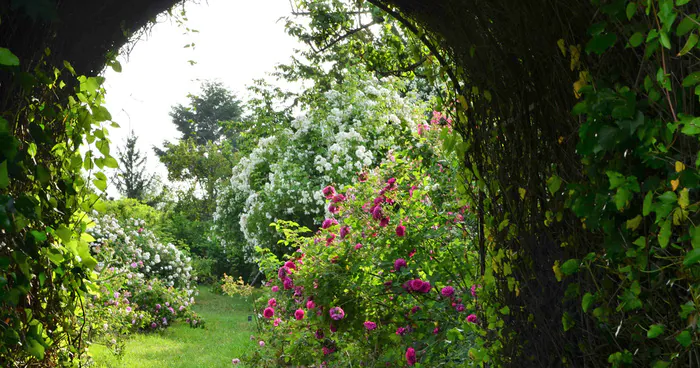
[341, 134]
[129, 245]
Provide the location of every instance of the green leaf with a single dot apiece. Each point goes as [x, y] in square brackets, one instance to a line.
[665, 233]
[8, 58]
[64, 233]
[691, 80]
[554, 183]
[630, 10]
[681, 2]
[646, 208]
[100, 113]
[660, 364]
[38, 235]
[505, 310]
[686, 25]
[692, 257]
[692, 41]
[692, 127]
[588, 299]
[600, 43]
[100, 184]
[665, 41]
[695, 237]
[111, 162]
[668, 197]
[116, 66]
[655, 331]
[684, 339]
[633, 224]
[34, 348]
[4, 178]
[567, 321]
[636, 39]
[570, 266]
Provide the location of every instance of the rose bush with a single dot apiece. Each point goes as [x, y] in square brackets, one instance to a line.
[345, 130]
[388, 278]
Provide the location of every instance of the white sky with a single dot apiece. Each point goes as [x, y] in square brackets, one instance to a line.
[238, 41]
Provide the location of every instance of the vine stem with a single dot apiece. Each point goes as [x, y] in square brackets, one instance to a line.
[663, 65]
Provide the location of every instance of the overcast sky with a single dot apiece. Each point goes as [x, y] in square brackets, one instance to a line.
[238, 41]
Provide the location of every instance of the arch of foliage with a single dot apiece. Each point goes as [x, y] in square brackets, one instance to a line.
[603, 199]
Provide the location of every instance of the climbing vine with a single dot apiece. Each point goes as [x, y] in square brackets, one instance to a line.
[54, 146]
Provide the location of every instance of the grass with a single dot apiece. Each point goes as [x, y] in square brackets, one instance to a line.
[226, 336]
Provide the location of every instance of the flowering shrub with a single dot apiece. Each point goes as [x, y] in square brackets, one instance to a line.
[349, 129]
[130, 244]
[231, 286]
[388, 278]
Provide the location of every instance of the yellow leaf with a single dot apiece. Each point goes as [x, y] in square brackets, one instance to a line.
[680, 166]
[575, 56]
[684, 198]
[522, 192]
[562, 46]
[517, 291]
[557, 271]
[561, 139]
[674, 183]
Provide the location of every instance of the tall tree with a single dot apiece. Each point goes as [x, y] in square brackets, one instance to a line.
[132, 180]
[202, 120]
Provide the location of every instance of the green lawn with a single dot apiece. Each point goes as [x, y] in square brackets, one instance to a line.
[226, 336]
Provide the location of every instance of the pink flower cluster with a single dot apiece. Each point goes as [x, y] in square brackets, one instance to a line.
[336, 313]
[417, 285]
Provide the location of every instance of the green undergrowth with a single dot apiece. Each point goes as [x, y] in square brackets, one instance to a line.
[226, 336]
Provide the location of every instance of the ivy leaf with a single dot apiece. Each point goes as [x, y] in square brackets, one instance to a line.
[570, 266]
[600, 43]
[567, 321]
[34, 348]
[111, 162]
[630, 301]
[4, 178]
[691, 80]
[660, 364]
[8, 58]
[64, 233]
[630, 10]
[655, 331]
[692, 257]
[633, 224]
[588, 299]
[695, 237]
[686, 25]
[684, 339]
[665, 41]
[665, 233]
[636, 39]
[554, 183]
[683, 199]
[686, 309]
[646, 208]
[692, 127]
[692, 41]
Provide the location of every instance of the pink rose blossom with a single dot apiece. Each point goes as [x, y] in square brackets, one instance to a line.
[447, 291]
[310, 304]
[328, 192]
[401, 231]
[336, 313]
[268, 312]
[471, 318]
[411, 356]
[299, 314]
[399, 264]
[275, 288]
[369, 325]
[272, 302]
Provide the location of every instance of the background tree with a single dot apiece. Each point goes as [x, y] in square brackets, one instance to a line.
[132, 180]
[202, 118]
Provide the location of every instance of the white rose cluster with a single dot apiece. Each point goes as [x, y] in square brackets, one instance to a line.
[132, 247]
[349, 130]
